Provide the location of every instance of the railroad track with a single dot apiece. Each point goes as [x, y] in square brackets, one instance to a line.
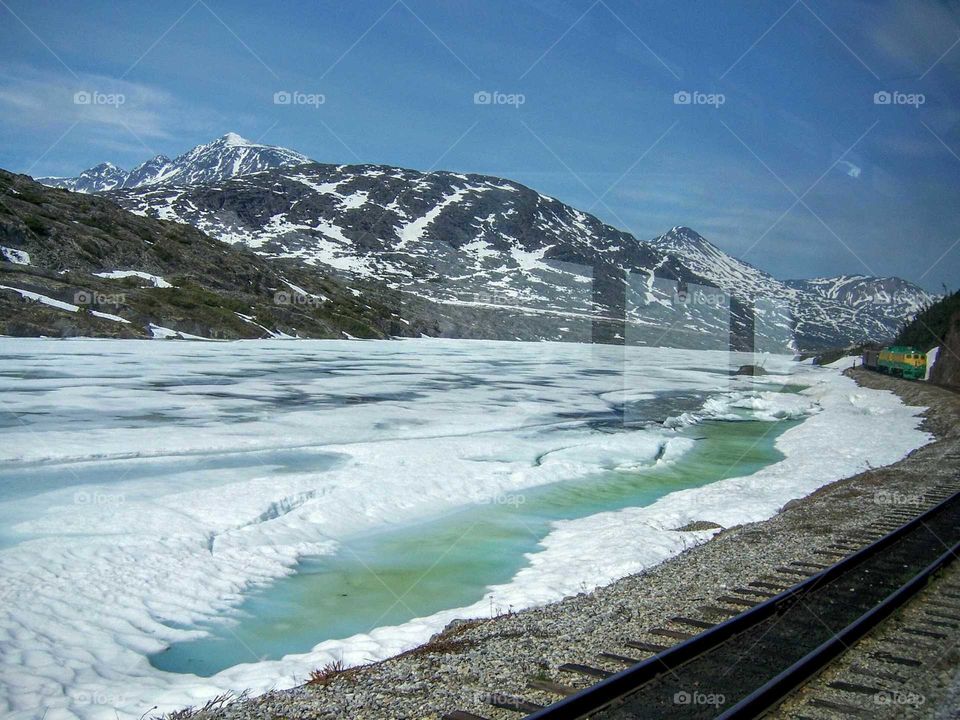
[759, 643]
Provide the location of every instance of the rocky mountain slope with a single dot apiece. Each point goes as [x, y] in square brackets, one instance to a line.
[481, 256]
[225, 157]
[479, 241]
[827, 312]
[75, 264]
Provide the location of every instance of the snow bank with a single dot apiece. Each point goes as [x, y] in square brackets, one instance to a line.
[17, 257]
[155, 280]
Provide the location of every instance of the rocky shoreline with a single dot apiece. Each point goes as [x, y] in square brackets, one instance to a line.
[471, 661]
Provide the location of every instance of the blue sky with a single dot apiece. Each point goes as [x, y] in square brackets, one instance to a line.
[799, 170]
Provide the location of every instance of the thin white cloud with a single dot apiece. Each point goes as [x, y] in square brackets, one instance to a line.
[849, 168]
[35, 99]
[911, 36]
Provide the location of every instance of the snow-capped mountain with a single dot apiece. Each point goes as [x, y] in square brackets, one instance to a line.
[899, 297]
[480, 243]
[105, 176]
[224, 158]
[857, 308]
[467, 241]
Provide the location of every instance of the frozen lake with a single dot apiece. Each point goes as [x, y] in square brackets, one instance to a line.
[180, 519]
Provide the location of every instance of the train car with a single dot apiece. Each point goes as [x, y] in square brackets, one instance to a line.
[902, 361]
[871, 359]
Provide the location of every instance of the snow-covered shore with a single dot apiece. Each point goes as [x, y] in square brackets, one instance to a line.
[120, 522]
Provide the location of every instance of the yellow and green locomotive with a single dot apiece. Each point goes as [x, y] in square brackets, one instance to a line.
[899, 360]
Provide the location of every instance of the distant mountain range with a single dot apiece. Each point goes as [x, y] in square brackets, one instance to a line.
[224, 158]
[482, 256]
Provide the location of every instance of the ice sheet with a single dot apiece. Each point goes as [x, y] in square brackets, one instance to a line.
[147, 485]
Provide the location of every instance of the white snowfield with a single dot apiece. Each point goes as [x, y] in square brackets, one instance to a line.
[61, 305]
[154, 280]
[145, 485]
[17, 257]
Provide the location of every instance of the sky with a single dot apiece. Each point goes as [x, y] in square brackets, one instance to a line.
[811, 138]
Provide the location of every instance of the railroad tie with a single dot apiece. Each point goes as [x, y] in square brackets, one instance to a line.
[668, 633]
[515, 704]
[719, 610]
[753, 591]
[737, 601]
[924, 633]
[622, 659]
[937, 613]
[585, 670]
[896, 659]
[815, 566]
[461, 715]
[842, 546]
[937, 602]
[551, 687]
[779, 587]
[858, 669]
[845, 708]
[794, 571]
[692, 622]
[943, 623]
[849, 687]
[649, 647]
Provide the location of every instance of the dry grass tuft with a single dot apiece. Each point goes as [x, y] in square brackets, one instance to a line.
[328, 672]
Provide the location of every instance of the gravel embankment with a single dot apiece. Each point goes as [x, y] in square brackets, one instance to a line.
[460, 668]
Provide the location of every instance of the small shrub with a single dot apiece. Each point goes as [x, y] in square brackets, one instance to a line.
[328, 672]
[36, 225]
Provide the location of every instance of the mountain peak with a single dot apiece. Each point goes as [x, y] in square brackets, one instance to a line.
[232, 138]
[226, 157]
